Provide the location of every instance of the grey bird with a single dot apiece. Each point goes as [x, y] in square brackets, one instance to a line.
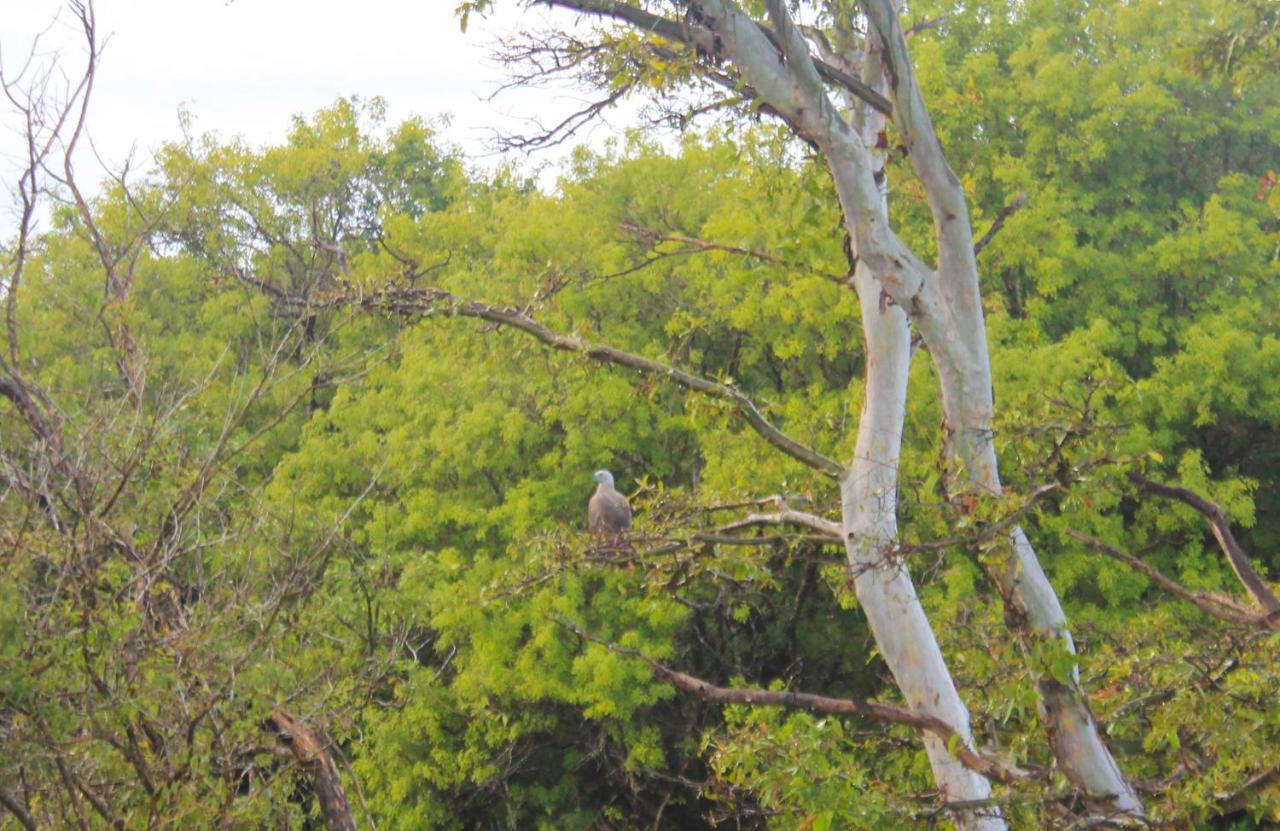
[608, 512]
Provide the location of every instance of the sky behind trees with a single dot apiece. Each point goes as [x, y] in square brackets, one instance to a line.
[243, 68]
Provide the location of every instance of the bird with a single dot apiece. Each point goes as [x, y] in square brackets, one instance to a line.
[608, 512]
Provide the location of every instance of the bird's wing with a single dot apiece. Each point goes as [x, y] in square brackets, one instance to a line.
[595, 513]
[608, 511]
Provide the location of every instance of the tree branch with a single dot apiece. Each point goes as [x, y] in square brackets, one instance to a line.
[703, 39]
[695, 245]
[429, 300]
[1237, 800]
[887, 713]
[19, 813]
[924, 26]
[1239, 561]
[309, 751]
[788, 516]
[1222, 608]
[1005, 212]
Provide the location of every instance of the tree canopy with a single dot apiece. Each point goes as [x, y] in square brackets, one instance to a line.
[281, 462]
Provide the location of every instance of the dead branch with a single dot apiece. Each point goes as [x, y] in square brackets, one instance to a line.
[1221, 525]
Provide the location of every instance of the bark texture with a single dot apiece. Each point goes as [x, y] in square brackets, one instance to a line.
[309, 752]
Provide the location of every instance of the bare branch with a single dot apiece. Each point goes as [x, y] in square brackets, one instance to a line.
[1221, 526]
[567, 127]
[696, 245]
[1222, 608]
[787, 516]
[19, 813]
[1005, 212]
[887, 713]
[415, 301]
[704, 40]
[309, 751]
[924, 26]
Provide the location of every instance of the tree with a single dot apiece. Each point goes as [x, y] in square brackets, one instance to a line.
[773, 68]
[148, 585]
[379, 551]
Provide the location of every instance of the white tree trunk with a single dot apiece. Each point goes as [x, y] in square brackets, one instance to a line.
[869, 504]
[868, 495]
[869, 489]
[951, 322]
[945, 306]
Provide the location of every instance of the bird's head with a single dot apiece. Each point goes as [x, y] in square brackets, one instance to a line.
[604, 477]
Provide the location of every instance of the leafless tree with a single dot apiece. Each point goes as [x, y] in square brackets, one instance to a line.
[113, 563]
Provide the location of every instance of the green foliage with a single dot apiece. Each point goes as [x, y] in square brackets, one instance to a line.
[391, 540]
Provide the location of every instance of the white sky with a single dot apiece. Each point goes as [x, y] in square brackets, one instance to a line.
[245, 67]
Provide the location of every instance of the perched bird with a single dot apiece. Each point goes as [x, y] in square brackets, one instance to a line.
[608, 513]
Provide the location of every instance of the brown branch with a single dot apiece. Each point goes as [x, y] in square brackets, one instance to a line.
[1237, 799]
[1005, 212]
[696, 245]
[19, 813]
[428, 300]
[1222, 608]
[1221, 526]
[924, 26]
[309, 752]
[887, 713]
[566, 128]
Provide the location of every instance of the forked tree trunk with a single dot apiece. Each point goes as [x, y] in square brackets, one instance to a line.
[945, 304]
[953, 328]
[868, 496]
[869, 504]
